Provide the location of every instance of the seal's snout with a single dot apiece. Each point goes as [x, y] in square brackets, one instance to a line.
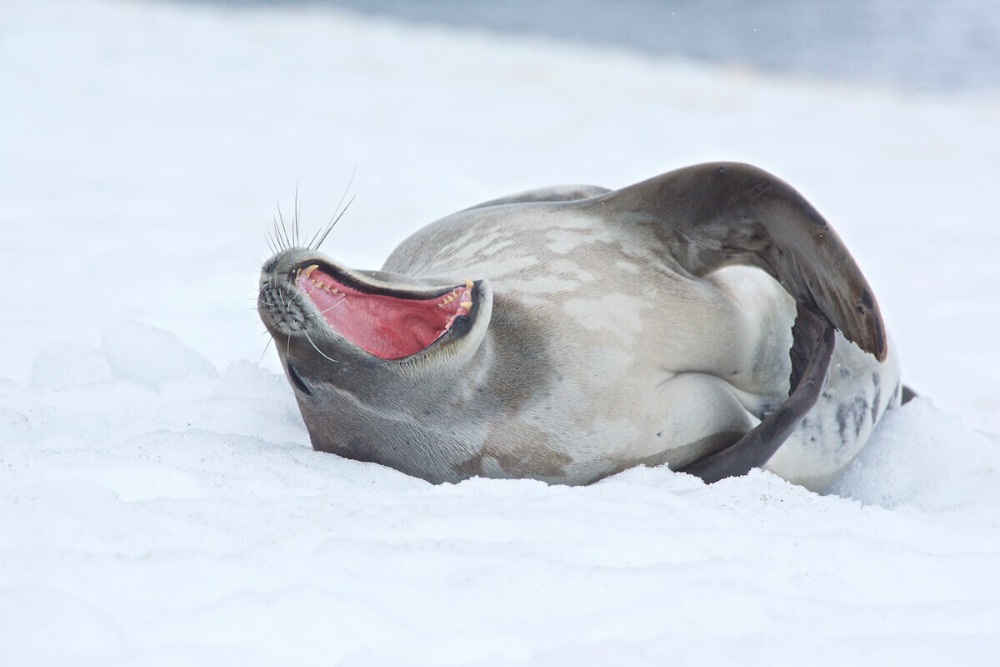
[378, 314]
[280, 309]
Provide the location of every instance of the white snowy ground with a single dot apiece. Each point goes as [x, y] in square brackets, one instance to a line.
[159, 502]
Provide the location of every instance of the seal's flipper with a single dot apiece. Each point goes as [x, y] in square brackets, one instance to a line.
[812, 348]
[715, 215]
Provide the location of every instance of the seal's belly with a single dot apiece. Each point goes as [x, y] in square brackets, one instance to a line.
[644, 364]
[664, 369]
[651, 369]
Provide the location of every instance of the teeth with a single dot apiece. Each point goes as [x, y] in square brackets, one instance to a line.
[308, 271]
[324, 287]
[466, 304]
[468, 284]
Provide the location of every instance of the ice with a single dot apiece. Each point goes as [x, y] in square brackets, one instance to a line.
[159, 500]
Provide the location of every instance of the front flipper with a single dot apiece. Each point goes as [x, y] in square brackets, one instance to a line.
[715, 215]
[813, 342]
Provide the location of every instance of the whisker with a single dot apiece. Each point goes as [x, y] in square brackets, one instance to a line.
[284, 228]
[350, 182]
[313, 240]
[266, 345]
[277, 234]
[332, 224]
[324, 312]
[267, 238]
[320, 352]
[337, 214]
[295, 217]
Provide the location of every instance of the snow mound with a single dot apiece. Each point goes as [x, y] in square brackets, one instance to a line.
[150, 356]
[923, 457]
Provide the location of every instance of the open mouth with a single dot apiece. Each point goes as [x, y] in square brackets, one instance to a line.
[385, 323]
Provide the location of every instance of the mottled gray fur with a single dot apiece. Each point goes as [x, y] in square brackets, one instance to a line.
[647, 325]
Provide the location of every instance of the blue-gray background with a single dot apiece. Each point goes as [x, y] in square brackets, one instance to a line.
[915, 44]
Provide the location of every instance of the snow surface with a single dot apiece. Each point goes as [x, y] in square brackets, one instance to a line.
[159, 502]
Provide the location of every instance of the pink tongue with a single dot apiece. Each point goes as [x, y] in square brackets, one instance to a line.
[384, 326]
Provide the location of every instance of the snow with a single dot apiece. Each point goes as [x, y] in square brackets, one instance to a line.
[159, 502]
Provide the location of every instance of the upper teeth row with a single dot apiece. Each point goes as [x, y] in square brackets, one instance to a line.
[307, 272]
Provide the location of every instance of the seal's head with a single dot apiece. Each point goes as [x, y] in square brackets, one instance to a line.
[377, 315]
[366, 348]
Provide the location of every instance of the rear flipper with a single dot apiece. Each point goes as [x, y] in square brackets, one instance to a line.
[715, 215]
[812, 349]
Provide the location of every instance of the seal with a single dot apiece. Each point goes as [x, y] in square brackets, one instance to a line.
[708, 319]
